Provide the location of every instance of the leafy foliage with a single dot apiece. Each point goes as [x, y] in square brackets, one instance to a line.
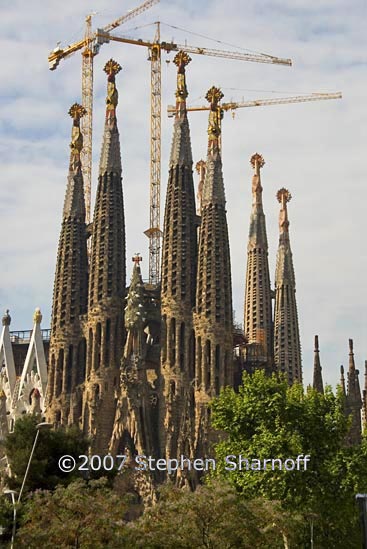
[44, 471]
[213, 517]
[84, 514]
[267, 419]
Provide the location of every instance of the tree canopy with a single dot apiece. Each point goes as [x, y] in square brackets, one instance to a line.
[44, 472]
[266, 419]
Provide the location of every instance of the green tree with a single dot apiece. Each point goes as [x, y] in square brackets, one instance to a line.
[86, 515]
[44, 472]
[267, 419]
[212, 517]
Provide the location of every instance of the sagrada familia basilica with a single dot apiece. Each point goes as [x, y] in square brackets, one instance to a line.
[135, 367]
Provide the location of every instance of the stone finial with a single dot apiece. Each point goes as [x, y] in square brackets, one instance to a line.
[181, 60]
[37, 317]
[283, 197]
[6, 320]
[317, 343]
[257, 161]
[111, 68]
[76, 112]
[213, 96]
[137, 259]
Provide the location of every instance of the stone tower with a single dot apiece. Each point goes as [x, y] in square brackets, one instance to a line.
[179, 264]
[67, 345]
[213, 320]
[317, 370]
[107, 281]
[258, 326]
[287, 347]
[353, 399]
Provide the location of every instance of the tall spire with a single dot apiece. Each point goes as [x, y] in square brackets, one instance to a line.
[258, 326]
[213, 310]
[287, 347]
[354, 401]
[342, 381]
[67, 369]
[107, 281]
[317, 370]
[179, 264]
[110, 155]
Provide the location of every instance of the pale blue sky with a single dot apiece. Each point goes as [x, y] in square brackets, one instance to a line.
[317, 150]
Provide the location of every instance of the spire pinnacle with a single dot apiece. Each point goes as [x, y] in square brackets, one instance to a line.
[37, 317]
[257, 162]
[213, 96]
[351, 357]
[76, 112]
[342, 380]
[137, 259]
[317, 375]
[283, 197]
[111, 68]
[6, 318]
[181, 60]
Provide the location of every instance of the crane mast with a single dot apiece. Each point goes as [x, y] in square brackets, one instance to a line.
[154, 232]
[87, 120]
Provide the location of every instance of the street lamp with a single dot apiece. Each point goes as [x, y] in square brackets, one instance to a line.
[13, 494]
[362, 502]
[39, 427]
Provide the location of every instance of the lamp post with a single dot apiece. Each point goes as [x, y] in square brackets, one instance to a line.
[362, 502]
[13, 494]
[39, 427]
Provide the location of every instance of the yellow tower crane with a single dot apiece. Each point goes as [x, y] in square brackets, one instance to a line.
[91, 44]
[233, 105]
[90, 48]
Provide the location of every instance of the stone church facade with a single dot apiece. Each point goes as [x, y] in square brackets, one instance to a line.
[136, 366]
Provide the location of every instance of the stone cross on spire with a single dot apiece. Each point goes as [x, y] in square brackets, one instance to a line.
[181, 60]
[137, 259]
[213, 96]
